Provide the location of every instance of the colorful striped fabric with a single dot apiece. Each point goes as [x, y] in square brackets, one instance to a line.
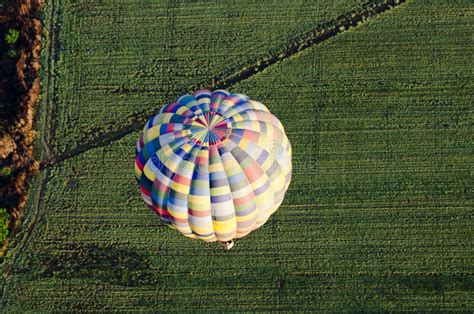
[214, 166]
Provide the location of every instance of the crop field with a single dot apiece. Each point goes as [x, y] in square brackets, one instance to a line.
[378, 216]
[119, 60]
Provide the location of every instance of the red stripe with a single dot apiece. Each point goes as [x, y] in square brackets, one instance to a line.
[160, 211]
[139, 163]
[199, 213]
[145, 191]
[182, 180]
[170, 107]
[243, 200]
[253, 172]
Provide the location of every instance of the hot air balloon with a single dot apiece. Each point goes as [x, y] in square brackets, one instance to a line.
[213, 165]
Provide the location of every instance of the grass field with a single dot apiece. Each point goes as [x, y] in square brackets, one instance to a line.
[379, 212]
[119, 59]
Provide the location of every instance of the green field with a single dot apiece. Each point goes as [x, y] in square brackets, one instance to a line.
[378, 216]
[117, 60]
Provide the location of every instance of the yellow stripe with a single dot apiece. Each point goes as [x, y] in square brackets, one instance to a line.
[224, 226]
[172, 165]
[199, 199]
[202, 230]
[181, 215]
[150, 175]
[153, 133]
[138, 172]
[246, 217]
[260, 181]
[211, 238]
[221, 190]
[216, 167]
[184, 230]
[231, 167]
[181, 188]
[182, 109]
[167, 151]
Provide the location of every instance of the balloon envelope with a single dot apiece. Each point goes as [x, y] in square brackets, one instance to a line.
[214, 166]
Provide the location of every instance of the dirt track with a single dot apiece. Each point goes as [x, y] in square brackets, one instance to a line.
[22, 88]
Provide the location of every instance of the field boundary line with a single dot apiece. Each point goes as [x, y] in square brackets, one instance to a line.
[22, 239]
[318, 35]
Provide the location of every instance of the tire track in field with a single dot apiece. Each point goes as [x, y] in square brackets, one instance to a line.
[318, 35]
